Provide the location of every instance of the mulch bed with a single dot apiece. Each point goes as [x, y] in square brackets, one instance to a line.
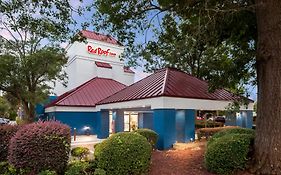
[179, 162]
[188, 161]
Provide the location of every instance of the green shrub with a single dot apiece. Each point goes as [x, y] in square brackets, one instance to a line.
[209, 124]
[228, 153]
[79, 168]
[6, 133]
[149, 134]
[40, 146]
[99, 171]
[47, 172]
[231, 131]
[80, 152]
[124, 153]
[209, 132]
[7, 169]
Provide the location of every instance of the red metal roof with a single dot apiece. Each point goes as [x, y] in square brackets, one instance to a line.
[100, 37]
[89, 93]
[102, 64]
[169, 82]
[128, 70]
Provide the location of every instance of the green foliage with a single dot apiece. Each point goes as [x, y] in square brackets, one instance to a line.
[124, 153]
[149, 134]
[47, 172]
[221, 41]
[7, 169]
[80, 152]
[229, 150]
[99, 171]
[231, 131]
[4, 107]
[208, 124]
[30, 55]
[81, 168]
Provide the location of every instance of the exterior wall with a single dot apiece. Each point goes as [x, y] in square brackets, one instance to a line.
[118, 117]
[81, 65]
[103, 124]
[230, 119]
[185, 125]
[145, 120]
[164, 124]
[173, 102]
[243, 119]
[77, 120]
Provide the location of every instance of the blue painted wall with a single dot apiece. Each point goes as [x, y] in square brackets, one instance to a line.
[40, 108]
[180, 125]
[164, 123]
[119, 120]
[185, 125]
[148, 120]
[102, 124]
[244, 119]
[230, 119]
[189, 125]
[77, 120]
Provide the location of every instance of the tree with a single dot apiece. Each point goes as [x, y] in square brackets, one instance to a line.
[4, 107]
[30, 56]
[244, 34]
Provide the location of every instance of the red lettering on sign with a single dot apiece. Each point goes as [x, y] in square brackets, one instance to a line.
[100, 51]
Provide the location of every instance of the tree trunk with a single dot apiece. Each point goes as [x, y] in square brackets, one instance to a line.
[267, 155]
[29, 112]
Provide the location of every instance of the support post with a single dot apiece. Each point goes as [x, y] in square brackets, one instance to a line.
[164, 124]
[103, 124]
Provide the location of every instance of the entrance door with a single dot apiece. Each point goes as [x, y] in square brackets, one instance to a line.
[130, 121]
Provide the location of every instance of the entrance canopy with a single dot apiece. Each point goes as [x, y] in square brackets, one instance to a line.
[171, 88]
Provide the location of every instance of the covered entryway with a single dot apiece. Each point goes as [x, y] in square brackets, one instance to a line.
[166, 102]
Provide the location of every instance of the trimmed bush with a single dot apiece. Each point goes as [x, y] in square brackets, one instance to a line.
[231, 131]
[7, 169]
[41, 146]
[47, 172]
[149, 134]
[228, 153]
[80, 168]
[80, 152]
[124, 153]
[208, 132]
[99, 171]
[6, 133]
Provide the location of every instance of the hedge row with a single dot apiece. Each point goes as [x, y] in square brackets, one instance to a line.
[228, 150]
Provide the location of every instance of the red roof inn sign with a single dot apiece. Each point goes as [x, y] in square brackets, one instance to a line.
[99, 51]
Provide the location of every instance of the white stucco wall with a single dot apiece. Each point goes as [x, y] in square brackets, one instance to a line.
[81, 65]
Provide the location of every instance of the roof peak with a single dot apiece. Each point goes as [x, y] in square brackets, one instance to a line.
[100, 37]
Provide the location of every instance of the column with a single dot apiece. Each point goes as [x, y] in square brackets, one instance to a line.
[164, 124]
[102, 124]
[230, 119]
[247, 118]
[190, 125]
[119, 120]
